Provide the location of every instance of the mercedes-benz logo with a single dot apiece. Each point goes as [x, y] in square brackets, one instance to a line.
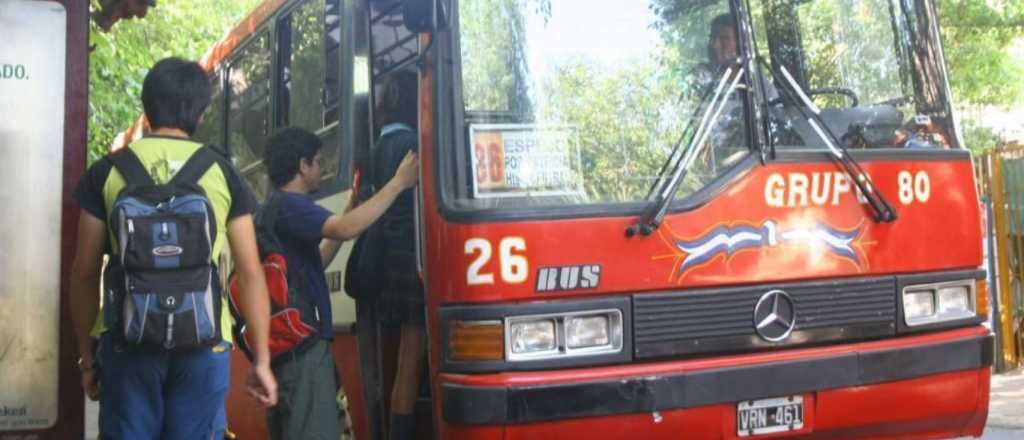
[774, 316]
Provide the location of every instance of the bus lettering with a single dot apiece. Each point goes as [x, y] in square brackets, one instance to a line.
[793, 190]
[473, 275]
[551, 279]
[515, 268]
[914, 187]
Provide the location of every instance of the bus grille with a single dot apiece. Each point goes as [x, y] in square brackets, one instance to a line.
[721, 320]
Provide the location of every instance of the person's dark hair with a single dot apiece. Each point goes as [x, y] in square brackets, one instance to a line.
[398, 100]
[720, 21]
[175, 94]
[284, 151]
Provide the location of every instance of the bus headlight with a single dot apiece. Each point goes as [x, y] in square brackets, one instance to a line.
[587, 331]
[954, 300]
[939, 302]
[532, 337]
[918, 305]
[563, 335]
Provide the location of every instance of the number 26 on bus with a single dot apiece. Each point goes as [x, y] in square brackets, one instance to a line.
[514, 267]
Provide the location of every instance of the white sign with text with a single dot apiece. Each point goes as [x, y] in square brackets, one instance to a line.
[516, 160]
[32, 76]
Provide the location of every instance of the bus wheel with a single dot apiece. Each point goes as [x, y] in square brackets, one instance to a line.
[344, 418]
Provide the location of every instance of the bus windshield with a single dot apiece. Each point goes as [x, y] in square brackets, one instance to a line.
[582, 101]
[573, 102]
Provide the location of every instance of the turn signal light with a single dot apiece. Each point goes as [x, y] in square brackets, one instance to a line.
[476, 340]
[981, 292]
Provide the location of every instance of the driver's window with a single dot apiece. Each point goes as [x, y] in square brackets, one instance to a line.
[849, 48]
[716, 84]
[848, 57]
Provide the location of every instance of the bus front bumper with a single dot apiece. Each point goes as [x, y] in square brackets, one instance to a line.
[936, 383]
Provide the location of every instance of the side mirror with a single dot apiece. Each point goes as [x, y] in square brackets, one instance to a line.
[424, 16]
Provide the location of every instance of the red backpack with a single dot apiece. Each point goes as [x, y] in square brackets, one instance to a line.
[294, 318]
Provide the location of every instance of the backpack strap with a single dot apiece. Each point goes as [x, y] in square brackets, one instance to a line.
[266, 224]
[196, 166]
[131, 168]
[271, 208]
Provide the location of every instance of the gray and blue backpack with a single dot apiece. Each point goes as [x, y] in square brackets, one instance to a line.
[162, 288]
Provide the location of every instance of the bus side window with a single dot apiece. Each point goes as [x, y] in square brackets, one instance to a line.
[332, 53]
[249, 109]
[309, 42]
[211, 128]
[393, 45]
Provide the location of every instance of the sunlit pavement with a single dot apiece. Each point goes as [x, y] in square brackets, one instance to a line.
[1003, 434]
[1006, 407]
[92, 419]
[1005, 417]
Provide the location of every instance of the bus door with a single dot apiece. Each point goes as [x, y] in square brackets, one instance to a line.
[391, 49]
[394, 50]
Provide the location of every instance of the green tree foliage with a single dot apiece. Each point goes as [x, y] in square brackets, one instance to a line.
[840, 36]
[120, 58]
[977, 35]
[495, 32]
[612, 114]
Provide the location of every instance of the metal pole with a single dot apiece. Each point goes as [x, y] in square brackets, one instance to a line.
[993, 280]
[1007, 355]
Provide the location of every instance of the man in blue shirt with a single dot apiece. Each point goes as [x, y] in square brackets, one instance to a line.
[307, 380]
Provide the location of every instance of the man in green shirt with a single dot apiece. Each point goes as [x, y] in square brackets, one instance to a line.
[161, 394]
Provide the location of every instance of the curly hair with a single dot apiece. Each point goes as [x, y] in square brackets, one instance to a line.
[284, 151]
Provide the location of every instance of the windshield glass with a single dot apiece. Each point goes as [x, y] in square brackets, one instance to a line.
[862, 63]
[570, 102]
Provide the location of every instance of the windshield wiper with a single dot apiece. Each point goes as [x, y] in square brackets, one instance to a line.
[663, 191]
[882, 211]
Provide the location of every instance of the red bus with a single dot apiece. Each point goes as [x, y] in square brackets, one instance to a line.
[659, 219]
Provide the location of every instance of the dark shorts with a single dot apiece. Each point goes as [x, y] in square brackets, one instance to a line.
[307, 389]
[401, 311]
[401, 299]
[162, 395]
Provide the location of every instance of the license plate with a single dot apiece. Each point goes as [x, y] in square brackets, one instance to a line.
[767, 416]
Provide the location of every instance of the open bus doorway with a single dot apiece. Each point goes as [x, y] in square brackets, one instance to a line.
[319, 65]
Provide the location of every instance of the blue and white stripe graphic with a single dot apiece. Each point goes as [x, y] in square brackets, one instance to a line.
[728, 240]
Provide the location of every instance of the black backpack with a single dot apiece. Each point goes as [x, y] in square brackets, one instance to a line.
[294, 316]
[162, 288]
[379, 255]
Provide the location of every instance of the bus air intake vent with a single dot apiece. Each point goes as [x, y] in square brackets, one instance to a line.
[723, 320]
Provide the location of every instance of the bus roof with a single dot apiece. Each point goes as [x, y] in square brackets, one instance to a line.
[214, 56]
[222, 49]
